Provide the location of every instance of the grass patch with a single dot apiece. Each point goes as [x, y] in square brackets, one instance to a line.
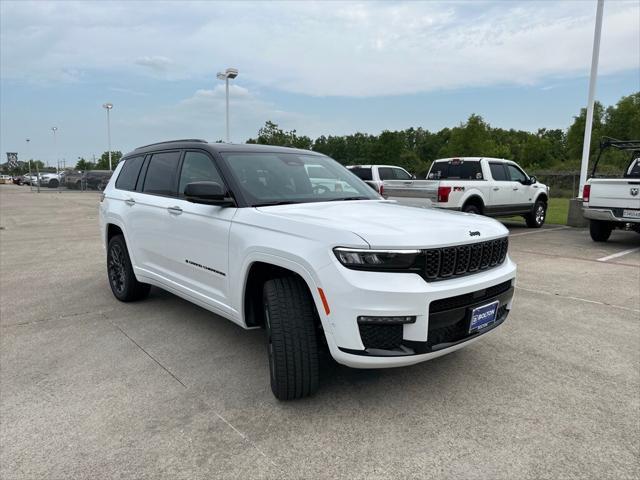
[557, 211]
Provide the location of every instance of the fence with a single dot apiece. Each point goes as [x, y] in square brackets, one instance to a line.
[562, 184]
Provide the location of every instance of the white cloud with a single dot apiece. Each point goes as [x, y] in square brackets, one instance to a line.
[156, 63]
[328, 48]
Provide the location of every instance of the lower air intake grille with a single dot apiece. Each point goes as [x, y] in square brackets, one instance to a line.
[385, 337]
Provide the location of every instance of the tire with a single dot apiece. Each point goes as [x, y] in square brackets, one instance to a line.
[600, 230]
[471, 208]
[122, 280]
[537, 216]
[53, 184]
[292, 342]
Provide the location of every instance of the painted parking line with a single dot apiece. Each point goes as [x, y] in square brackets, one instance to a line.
[531, 232]
[579, 299]
[619, 254]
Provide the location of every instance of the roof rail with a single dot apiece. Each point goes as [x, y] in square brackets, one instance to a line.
[199, 140]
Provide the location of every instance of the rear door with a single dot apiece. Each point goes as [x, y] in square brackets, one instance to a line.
[152, 223]
[199, 248]
[502, 188]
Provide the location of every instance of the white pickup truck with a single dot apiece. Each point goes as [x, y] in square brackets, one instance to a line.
[486, 186]
[610, 203]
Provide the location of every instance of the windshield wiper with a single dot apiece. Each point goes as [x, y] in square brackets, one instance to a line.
[270, 204]
[348, 198]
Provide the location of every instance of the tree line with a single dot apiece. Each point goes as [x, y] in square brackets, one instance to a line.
[415, 148]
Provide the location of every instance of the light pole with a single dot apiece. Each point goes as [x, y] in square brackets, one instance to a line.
[108, 107]
[226, 75]
[55, 143]
[586, 146]
[30, 177]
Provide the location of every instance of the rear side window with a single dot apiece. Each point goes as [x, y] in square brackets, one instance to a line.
[362, 173]
[498, 172]
[129, 173]
[456, 169]
[198, 167]
[162, 174]
[386, 173]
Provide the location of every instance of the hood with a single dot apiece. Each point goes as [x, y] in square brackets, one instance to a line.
[387, 224]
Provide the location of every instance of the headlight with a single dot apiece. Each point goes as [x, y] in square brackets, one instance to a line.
[379, 260]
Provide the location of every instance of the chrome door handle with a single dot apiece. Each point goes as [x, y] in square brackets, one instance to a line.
[174, 210]
[515, 188]
[130, 201]
[495, 189]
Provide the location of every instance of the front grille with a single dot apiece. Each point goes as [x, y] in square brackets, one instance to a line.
[468, 298]
[385, 337]
[447, 262]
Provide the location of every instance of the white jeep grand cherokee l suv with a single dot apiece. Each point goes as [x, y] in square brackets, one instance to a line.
[245, 232]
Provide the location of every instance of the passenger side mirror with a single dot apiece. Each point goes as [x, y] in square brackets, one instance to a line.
[208, 193]
[413, 177]
[532, 180]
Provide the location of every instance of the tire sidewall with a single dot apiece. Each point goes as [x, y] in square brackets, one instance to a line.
[118, 240]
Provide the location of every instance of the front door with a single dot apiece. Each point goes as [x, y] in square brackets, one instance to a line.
[200, 251]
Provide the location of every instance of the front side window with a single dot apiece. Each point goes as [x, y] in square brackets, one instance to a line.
[198, 167]
[271, 178]
[162, 174]
[129, 173]
[516, 174]
[400, 174]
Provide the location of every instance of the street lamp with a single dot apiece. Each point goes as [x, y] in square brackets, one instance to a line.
[226, 75]
[108, 107]
[55, 142]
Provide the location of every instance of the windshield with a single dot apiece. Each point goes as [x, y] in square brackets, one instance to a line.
[276, 178]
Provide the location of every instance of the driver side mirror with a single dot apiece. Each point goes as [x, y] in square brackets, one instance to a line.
[207, 193]
[532, 180]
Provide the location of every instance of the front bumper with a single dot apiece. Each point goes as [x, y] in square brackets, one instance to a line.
[353, 293]
[608, 215]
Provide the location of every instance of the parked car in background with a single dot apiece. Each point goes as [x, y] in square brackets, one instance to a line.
[97, 179]
[375, 175]
[50, 180]
[610, 203]
[243, 231]
[30, 179]
[485, 186]
[18, 179]
[6, 179]
[73, 180]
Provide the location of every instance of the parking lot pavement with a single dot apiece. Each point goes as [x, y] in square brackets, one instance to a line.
[93, 388]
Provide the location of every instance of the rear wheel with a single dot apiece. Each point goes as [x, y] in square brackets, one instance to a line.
[291, 333]
[122, 280]
[537, 216]
[53, 183]
[471, 208]
[600, 230]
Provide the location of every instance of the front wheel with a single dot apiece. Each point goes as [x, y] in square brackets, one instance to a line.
[538, 214]
[600, 230]
[291, 333]
[123, 282]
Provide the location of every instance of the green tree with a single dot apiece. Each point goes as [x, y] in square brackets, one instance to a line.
[85, 165]
[271, 134]
[103, 162]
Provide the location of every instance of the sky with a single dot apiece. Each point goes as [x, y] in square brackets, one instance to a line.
[325, 68]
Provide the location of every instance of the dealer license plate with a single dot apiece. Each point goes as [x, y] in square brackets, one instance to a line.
[483, 316]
